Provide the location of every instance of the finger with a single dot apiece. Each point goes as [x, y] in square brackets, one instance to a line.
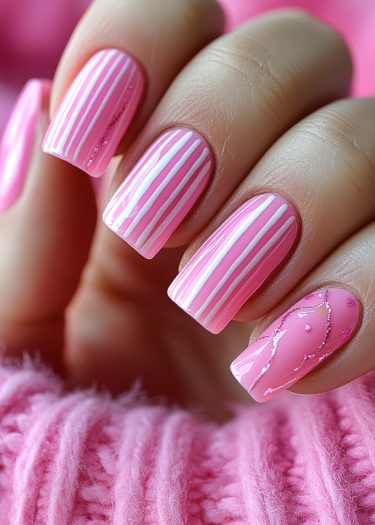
[122, 54]
[333, 321]
[45, 232]
[229, 104]
[336, 148]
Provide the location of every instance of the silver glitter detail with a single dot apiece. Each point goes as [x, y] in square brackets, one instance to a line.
[105, 138]
[276, 336]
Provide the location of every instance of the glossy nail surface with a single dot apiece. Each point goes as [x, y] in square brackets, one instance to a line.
[235, 261]
[96, 111]
[17, 143]
[316, 326]
[160, 190]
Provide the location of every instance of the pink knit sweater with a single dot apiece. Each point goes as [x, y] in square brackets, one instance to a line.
[78, 458]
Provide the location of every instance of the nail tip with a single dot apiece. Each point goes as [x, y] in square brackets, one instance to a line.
[145, 254]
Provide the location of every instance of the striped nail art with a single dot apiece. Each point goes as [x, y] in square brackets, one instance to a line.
[160, 190]
[234, 262]
[96, 111]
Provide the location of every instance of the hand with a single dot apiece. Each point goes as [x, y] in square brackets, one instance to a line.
[261, 100]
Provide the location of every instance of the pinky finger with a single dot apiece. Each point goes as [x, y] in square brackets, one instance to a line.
[322, 336]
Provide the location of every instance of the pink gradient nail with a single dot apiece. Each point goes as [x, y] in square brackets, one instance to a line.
[160, 190]
[235, 261]
[294, 344]
[96, 111]
[17, 144]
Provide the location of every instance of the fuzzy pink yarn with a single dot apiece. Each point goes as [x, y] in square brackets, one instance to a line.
[80, 458]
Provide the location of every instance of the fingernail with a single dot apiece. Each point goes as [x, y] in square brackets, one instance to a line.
[96, 111]
[294, 344]
[235, 261]
[17, 144]
[160, 190]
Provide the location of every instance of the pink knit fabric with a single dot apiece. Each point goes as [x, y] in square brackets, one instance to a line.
[79, 458]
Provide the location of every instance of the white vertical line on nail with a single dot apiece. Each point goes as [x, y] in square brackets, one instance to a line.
[150, 177]
[68, 102]
[269, 244]
[197, 181]
[120, 190]
[215, 238]
[115, 110]
[80, 104]
[143, 239]
[133, 93]
[249, 248]
[166, 180]
[127, 186]
[232, 239]
[99, 91]
[98, 112]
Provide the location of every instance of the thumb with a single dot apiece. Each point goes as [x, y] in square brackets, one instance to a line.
[46, 226]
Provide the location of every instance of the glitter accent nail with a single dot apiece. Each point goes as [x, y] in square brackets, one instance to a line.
[291, 347]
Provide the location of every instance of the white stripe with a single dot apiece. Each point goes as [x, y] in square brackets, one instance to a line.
[129, 185]
[269, 244]
[82, 101]
[150, 177]
[118, 193]
[101, 88]
[112, 114]
[254, 241]
[177, 208]
[236, 234]
[188, 194]
[98, 112]
[215, 238]
[70, 98]
[153, 197]
[133, 93]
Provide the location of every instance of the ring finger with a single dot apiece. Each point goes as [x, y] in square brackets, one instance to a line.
[324, 169]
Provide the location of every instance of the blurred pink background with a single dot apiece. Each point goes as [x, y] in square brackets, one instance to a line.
[33, 35]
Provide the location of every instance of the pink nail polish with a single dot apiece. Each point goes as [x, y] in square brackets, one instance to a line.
[96, 111]
[235, 261]
[160, 191]
[294, 344]
[17, 144]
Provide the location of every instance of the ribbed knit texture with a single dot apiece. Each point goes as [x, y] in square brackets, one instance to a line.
[80, 458]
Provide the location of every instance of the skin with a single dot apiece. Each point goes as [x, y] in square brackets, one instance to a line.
[266, 98]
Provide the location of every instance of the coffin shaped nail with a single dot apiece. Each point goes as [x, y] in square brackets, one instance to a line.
[160, 190]
[309, 332]
[235, 261]
[17, 143]
[96, 111]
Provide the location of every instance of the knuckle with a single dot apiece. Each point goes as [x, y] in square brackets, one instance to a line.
[338, 128]
[193, 12]
[268, 83]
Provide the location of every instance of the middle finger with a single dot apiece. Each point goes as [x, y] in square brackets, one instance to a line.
[240, 93]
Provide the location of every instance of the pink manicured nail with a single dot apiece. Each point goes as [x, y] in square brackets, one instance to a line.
[233, 263]
[295, 343]
[17, 144]
[160, 190]
[96, 111]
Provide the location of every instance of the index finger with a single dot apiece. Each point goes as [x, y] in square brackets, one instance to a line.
[122, 55]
